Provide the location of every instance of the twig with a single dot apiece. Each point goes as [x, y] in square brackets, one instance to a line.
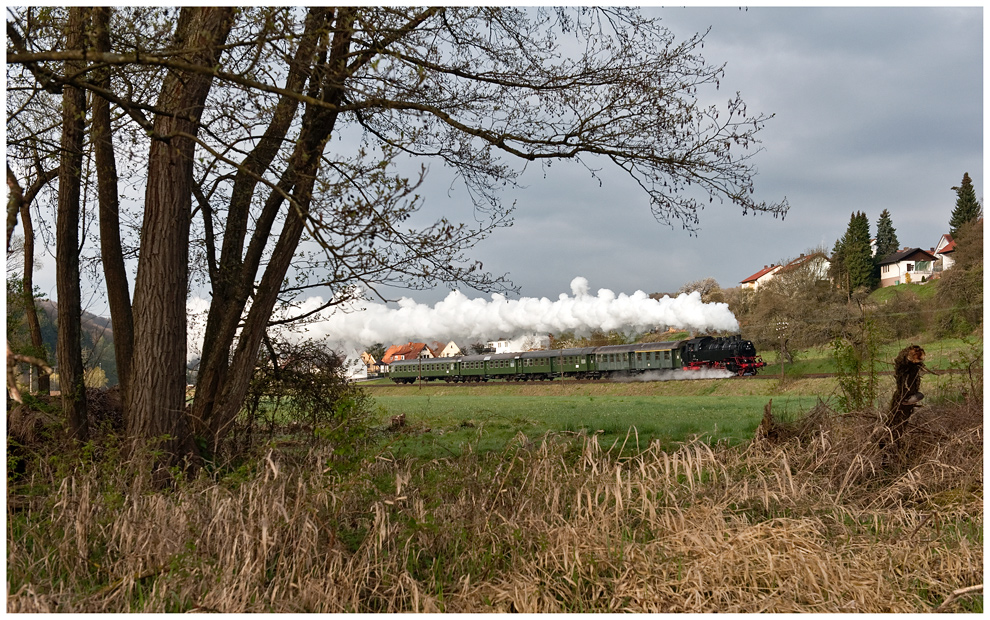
[957, 594]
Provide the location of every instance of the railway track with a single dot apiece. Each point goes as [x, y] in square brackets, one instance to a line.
[560, 381]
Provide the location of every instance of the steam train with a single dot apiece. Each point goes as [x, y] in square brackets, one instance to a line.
[730, 353]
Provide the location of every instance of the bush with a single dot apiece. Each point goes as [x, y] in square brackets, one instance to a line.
[303, 389]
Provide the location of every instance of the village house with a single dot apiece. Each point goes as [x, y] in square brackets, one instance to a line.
[450, 350]
[408, 351]
[907, 266]
[944, 253]
[500, 346]
[761, 277]
[815, 264]
[370, 363]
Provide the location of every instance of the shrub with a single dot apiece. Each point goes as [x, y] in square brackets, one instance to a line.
[304, 388]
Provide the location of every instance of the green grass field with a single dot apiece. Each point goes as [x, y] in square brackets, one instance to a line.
[442, 423]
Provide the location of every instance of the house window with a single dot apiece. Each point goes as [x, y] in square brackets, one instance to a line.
[908, 267]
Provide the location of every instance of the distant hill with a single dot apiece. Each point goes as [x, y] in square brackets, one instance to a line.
[97, 338]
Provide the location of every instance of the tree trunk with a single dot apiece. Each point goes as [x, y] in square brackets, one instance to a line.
[30, 309]
[114, 272]
[156, 401]
[21, 202]
[235, 276]
[70, 365]
[318, 124]
[908, 364]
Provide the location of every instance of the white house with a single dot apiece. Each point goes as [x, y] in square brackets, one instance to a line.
[907, 266]
[944, 252]
[761, 277]
[451, 350]
[500, 346]
[815, 264]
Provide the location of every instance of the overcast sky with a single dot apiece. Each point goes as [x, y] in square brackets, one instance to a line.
[875, 109]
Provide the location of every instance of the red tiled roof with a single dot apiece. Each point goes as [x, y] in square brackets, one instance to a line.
[759, 274]
[804, 258]
[407, 351]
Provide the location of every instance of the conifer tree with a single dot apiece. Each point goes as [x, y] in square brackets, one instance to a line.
[837, 265]
[967, 206]
[854, 265]
[887, 242]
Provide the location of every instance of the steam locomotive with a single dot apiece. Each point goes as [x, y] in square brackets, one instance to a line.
[730, 353]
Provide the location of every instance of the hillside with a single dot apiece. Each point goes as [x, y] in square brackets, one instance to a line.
[97, 339]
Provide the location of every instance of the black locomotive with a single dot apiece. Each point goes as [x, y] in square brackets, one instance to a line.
[731, 353]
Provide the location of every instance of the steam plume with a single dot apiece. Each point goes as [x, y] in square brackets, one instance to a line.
[466, 320]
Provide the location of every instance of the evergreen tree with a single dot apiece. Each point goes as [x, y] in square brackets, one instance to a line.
[967, 206]
[887, 242]
[837, 265]
[854, 265]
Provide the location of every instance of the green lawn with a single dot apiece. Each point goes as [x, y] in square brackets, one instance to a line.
[450, 424]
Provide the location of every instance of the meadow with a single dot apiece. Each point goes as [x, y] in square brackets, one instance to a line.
[444, 422]
[556, 497]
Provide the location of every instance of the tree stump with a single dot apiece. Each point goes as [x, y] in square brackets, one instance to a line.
[907, 384]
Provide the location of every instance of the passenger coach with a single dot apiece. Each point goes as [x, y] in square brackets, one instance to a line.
[730, 353]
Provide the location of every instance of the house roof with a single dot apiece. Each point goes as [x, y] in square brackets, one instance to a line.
[950, 245]
[804, 259]
[759, 274]
[409, 350]
[907, 254]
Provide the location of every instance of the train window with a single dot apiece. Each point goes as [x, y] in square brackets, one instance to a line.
[666, 355]
[639, 357]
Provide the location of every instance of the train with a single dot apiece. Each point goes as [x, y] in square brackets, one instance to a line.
[730, 353]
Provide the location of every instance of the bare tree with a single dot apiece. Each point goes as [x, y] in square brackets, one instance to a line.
[252, 101]
[708, 288]
[23, 200]
[111, 250]
[70, 364]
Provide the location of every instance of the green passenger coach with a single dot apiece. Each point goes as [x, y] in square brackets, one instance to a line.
[728, 353]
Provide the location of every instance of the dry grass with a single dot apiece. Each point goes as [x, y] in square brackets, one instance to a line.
[817, 520]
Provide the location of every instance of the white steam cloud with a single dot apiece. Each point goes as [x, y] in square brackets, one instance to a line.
[677, 375]
[466, 320]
